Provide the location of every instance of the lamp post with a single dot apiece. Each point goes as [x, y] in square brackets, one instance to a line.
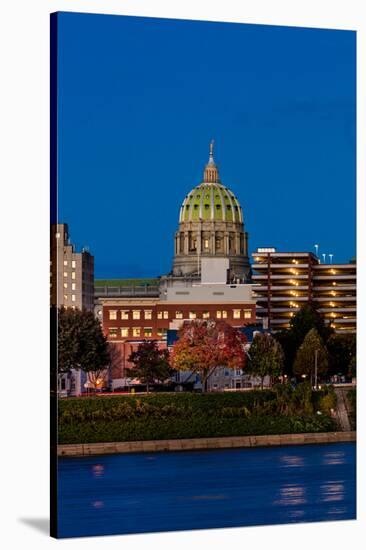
[316, 369]
[316, 249]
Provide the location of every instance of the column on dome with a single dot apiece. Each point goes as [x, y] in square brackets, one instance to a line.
[213, 239]
[186, 242]
[226, 242]
[237, 243]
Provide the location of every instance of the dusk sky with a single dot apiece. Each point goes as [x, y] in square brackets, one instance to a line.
[139, 101]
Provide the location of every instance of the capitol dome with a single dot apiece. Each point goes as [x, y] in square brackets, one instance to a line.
[211, 224]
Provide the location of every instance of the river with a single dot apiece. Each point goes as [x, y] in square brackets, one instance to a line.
[139, 493]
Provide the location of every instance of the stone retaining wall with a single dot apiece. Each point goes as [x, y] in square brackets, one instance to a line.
[87, 449]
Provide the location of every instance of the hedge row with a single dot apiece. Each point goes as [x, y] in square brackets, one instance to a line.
[171, 416]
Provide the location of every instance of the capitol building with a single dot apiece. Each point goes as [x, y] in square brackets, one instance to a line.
[211, 225]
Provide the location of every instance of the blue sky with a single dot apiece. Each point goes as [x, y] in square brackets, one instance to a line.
[139, 101]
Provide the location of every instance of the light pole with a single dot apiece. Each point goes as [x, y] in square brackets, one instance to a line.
[316, 249]
[316, 369]
[330, 258]
[324, 257]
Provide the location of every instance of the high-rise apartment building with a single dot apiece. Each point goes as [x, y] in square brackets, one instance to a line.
[287, 280]
[71, 273]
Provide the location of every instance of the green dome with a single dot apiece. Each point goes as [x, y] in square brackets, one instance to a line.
[211, 202]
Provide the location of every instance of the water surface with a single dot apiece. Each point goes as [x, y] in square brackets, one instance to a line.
[138, 493]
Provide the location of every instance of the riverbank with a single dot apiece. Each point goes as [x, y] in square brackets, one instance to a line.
[87, 449]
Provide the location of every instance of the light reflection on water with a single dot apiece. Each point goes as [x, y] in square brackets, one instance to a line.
[291, 495]
[332, 458]
[332, 491]
[291, 461]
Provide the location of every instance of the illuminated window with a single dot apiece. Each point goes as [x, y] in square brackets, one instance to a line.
[65, 285]
[73, 275]
[113, 333]
[65, 273]
[205, 315]
[206, 243]
[136, 314]
[179, 314]
[236, 313]
[165, 314]
[247, 313]
[192, 314]
[218, 314]
[112, 314]
[124, 314]
[136, 331]
[160, 315]
[73, 264]
[224, 314]
[147, 332]
[124, 332]
[73, 286]
[73, 298]
[148, 314]
[65, 262]
[58, 235]
[65, 296]
[161, 331]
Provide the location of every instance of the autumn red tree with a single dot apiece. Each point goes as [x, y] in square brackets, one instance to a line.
[203, 346]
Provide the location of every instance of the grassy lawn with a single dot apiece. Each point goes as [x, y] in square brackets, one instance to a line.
[186, 415]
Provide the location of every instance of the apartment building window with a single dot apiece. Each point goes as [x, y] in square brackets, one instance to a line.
[206, 243]
[136, 331]
[247, 313]
[148, 314]
[112, 314]
[65, 262]
[205, 315]
[65, 297]
[179, 314]
[73, 286]
[73, 298]
[124, 314]
[65, 285]
[125, 332]
[192, 315]
[221, 314]
[73, 264]
[161, 331]
[136, 314]
[163, 315]
[113, 333]
[236, 313]
[73, 275]
[147, 332]
[65, 273]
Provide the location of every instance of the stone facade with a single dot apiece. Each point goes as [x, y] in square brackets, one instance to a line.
[211, 224]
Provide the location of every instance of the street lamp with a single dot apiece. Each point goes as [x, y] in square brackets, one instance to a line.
[316, 368]
[316, 249]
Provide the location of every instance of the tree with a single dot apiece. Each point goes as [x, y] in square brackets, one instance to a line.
[82, 344]
[341, 349]
[305, 357]
[291, 339]
[151, 364]
[266, 357]
[203, 346]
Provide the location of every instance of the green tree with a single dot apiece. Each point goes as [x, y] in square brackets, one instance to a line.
[151, 364]
[266, 357]
[304, 363]
[341, 349]
[291, 339]
[82, 344]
